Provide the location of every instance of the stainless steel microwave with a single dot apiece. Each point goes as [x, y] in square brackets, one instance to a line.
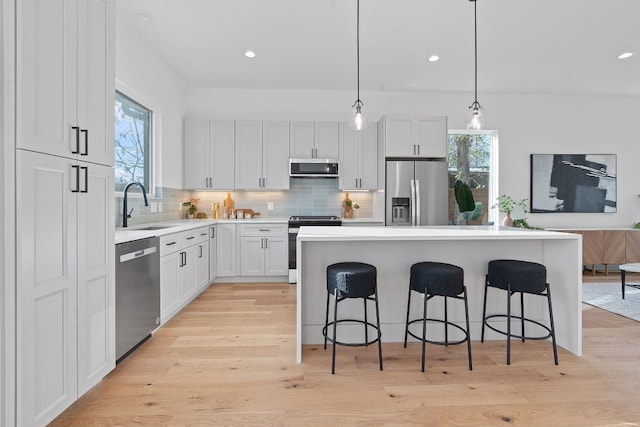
[313, 168]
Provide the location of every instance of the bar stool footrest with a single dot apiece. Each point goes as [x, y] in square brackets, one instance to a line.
[493, 328]
[359, 344]
[445, 343]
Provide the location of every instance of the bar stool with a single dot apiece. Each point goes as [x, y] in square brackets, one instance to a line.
[351, 280]
[438, 279]
[521, 277]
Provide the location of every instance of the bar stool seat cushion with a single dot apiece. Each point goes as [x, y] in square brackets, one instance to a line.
[440, 278]
[523, 276]
[351, 279]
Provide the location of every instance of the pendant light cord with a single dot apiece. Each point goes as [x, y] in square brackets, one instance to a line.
[475, 48]
[358, 102]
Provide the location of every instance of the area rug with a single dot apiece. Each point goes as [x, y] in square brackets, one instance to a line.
[608, 297]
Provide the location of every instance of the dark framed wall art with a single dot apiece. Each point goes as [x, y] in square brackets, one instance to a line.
[573, 183]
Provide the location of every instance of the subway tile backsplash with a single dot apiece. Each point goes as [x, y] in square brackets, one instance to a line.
[305, 197]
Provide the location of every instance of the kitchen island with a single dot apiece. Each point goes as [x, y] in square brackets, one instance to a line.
[394, 249]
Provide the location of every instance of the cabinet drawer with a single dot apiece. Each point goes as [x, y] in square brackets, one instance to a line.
[195, 236]
[263, 229]
[170, 243]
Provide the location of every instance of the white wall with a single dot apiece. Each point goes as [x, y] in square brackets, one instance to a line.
[142, 74]
[526, 123]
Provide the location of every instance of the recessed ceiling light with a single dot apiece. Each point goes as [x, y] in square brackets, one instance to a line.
[144, 17]
[434, 58]
[625, 55]
[250, 54]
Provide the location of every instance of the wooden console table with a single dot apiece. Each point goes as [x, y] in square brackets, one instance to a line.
[608, 246]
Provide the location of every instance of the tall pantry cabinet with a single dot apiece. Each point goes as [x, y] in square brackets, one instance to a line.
[65, 84]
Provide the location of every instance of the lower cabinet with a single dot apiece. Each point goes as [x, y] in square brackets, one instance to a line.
[184, 269]
[213, 253]
[263, 250]
[65, 323]
[226, 265]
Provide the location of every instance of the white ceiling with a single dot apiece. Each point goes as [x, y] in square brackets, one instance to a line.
[551, 46]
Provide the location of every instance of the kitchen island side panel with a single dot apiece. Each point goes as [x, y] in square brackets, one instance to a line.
[393, 259]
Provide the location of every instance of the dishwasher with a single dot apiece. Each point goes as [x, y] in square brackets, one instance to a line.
[137, 293]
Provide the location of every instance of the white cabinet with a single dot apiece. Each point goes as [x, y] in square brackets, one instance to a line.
[263, 250]
[226, 250]
[65, 80]
[65, 258]
[209, 150]
[213, 254]
[414, 136]
[316, 140]
[65, 323]
[358, 158]
[262, 155]
[184, 269]
[202, 260]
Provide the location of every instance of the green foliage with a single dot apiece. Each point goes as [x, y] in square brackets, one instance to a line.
[464, 197]
[474, 214]
[507, 204]
[522, 223]
[636, 225]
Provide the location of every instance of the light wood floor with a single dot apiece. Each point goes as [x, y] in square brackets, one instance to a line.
[229, 359]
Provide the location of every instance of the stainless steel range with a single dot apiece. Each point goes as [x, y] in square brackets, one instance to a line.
[295, 222]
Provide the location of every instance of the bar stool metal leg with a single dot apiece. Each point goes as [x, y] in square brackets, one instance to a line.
[424, 325]
[379, 331]
[406, 324]
[446, 330]
[466, 313]
[553, 329]
[366, 321]
[326, 321]
[522, 314]
[509, 294]
[484, 308]
[335, 338]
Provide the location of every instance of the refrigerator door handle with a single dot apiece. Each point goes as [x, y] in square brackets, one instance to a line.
[413, 202]
[418, 219]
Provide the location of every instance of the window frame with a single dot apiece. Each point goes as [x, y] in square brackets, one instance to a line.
[151, 163]
[493, 215]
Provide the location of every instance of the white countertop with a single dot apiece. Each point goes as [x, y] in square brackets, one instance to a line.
[445, 232]
[134, 232]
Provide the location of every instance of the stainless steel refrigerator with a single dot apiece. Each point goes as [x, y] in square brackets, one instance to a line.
[416, 192]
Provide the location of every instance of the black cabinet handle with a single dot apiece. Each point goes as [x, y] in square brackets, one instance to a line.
[191, 237]
[213, 232]
[77, 188]
[86, 179]
[170, 243]
[77, 149]
[86, 142]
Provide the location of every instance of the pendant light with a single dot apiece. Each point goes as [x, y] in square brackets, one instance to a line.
[358, 120]
[476, 115]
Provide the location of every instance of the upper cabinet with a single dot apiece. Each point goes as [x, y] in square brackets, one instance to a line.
[261, 155]
[414, 136]
[315, 140]
[209, 154]
[358, 158]
[65, 84]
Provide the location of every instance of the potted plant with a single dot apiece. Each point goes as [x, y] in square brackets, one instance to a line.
[468, 207]
[192, 207]
[506, 204]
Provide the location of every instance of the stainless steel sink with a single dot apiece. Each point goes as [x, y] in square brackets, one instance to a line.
[153, 227]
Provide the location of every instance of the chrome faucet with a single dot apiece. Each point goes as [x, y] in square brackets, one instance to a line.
[126, 215]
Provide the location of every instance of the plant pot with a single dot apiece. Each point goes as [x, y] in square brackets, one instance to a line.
[507, 221]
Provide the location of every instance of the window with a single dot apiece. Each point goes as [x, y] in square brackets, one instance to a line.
[473, 160]
[132, 143]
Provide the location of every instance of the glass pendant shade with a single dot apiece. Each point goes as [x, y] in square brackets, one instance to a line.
[476, 117]
[358, 120]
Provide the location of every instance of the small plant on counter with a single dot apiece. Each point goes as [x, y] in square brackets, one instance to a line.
[636, 225]
[506, 204]
[191, 205]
